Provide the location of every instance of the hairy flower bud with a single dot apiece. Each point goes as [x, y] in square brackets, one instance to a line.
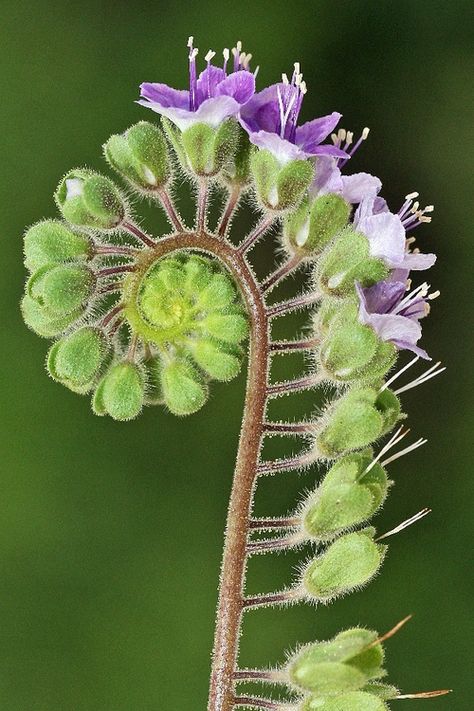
[345, 663]
[280, 187]
[121, 392]
[140, 155]
[347, 564]
[350, 701]
[219, 360]
[350, 493]
[154, 388]
[357, 419]
[237, 172]
[88, 199]
[44, 322]
[348, 260]
[52, 242]
[76, 359]
[61, 289]
[309, 229]
[184, 390]
[207, 149]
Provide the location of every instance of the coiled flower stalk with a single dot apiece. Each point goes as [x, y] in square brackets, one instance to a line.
[141, 320]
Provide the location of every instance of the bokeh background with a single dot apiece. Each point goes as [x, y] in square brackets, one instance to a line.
[111, 534]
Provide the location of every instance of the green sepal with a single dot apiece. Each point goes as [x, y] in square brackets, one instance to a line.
[383, 691]
[140, 155]
[348, 563]
[184, 390]
[121, 392]
[77, 359]
[61, 289]
[88, 199]
[348, 260]
[173, 134]
[228, 327]
[264, 168]
[218, 360]
[280, 187]
[207, 149]
[237, 172]
[52, 242]
[154, 388]
[43, 322]
[218, 294]
[348, 496]
[350, 701]
[314, 224]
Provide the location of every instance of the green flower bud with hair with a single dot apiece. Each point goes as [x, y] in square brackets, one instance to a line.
[121, 392]
[52, 242]
[140, 155]
[61, 289]
[88, 199]
[205, 150]
[77, 359]
[280, 187]
[184, 389]
[351, 701]
[44, 322]
[313, 224]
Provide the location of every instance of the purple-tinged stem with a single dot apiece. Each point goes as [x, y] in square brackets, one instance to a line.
[170, 209]
[288, 427]
[264, 524]
[273, 544]
[113, 249]
[253, 675]
[138, 233]
[284, 346]
[299, 302]
[290, 386]
[255, 702]
[230, 208]
[286, 465]
[120, 269]
[271, 599]
[110, 315]
[256, 233]
[202, 204]
[114, 286]
[281, 272]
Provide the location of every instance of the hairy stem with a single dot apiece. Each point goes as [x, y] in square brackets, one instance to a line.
[170, 209]
[230, 208]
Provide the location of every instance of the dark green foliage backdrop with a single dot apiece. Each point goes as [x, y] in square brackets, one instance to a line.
[110, 534]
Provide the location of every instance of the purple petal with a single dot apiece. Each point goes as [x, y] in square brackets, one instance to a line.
[383, 296]
[314, 132]
[208, 82]
[215, 111]
[239, 85]
[283, 150]
[418, 261]
[181, 117]
[327, 149]
[386, 236]
[262, 112]
[405, 345]
[328, 177]
[164, 95]
[393, 327]
[359, 186]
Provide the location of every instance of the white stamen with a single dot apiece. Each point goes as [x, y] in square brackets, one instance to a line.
[429, 208]
[398, 373]
[411, 448]
[238, 46]
[341, 134]
[434, 295]
[193, 54]
[209, 56]
[303, 87]
[257, 69]
[395, 439]
[226, 54]
[248, 57]
[284, 78]
[349, 138]
[411, 196]
[423, 218]
[430, 373]
[420, 292]
[417, 517]
[190, 42]
[410, 240]
[297, 66]
[415, 206]
[365, 133]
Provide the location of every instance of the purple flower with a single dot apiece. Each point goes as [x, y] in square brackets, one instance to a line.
[353, 188]
[386, 233]
[271, 116]
[212, 97]
[393, 314]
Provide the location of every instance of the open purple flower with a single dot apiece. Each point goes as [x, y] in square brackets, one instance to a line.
[212, 97]
[270, 118]
[393, 314]
[386, 233]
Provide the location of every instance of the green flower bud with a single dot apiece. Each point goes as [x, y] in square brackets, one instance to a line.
[348, 260]
[208, 149]
[345, 663]
[238, 171]
[184, 390]
[280, 187]
[140, 155]
[217, 359]
[42, 321]
[218, 294]
[351, 701]
[309, 229]
[121, 392]
[231, 327]
[348, 563]
[154, 389]
[61, 289]
[76, 360]
[357, 419]
[353, 351]
[383, 691]
[88, 199]
[51, 242]
[347, 496]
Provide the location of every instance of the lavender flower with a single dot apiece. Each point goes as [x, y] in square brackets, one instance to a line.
[270, 118]
[393, 314]
[386, 232]
[353, 188]
[212, 97]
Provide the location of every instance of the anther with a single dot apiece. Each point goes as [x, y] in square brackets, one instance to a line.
[210, 55]
[411, 196]
[284, 78]
[365, 133]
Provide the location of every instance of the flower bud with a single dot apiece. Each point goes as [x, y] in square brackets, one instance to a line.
[348, 260]
[218, 360]
[61, 289]
[357, 419]
[208, 149]
[88, 199]
[184, 390]
[218, 294]
[42, 321]
[382, 691]
[52, 242]
[348, 496]
[353, 351]
[350, 701]
[154, 389]
[140, 155]
[345, 663]
[348, 563]
[121, 392]
[238, 171]
[76, 360]
[309, 229]
[280, 187]
[228, 327]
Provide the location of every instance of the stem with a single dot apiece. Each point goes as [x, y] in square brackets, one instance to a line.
[257, 232]
[289, 386]
[137, 232]
[304, 345]
[170, 209]
[202, 205]
[287, 465]
[288, 427]
[272, 598]
[299, 302]
[232, 203]
[110, 315]
[253, 675]
[113, 249]
[111, 271]
[275, 544]
[258, 703]
[263, 524]
[281, 272]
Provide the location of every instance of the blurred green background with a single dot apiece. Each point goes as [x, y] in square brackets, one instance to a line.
[111, 534]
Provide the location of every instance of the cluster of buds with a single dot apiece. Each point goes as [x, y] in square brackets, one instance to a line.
[144, 321]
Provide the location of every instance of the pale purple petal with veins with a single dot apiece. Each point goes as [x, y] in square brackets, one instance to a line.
[208, 82]
[312, 133]
[283, 150]
[239, 85]
[359, 186]
[164, 95]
